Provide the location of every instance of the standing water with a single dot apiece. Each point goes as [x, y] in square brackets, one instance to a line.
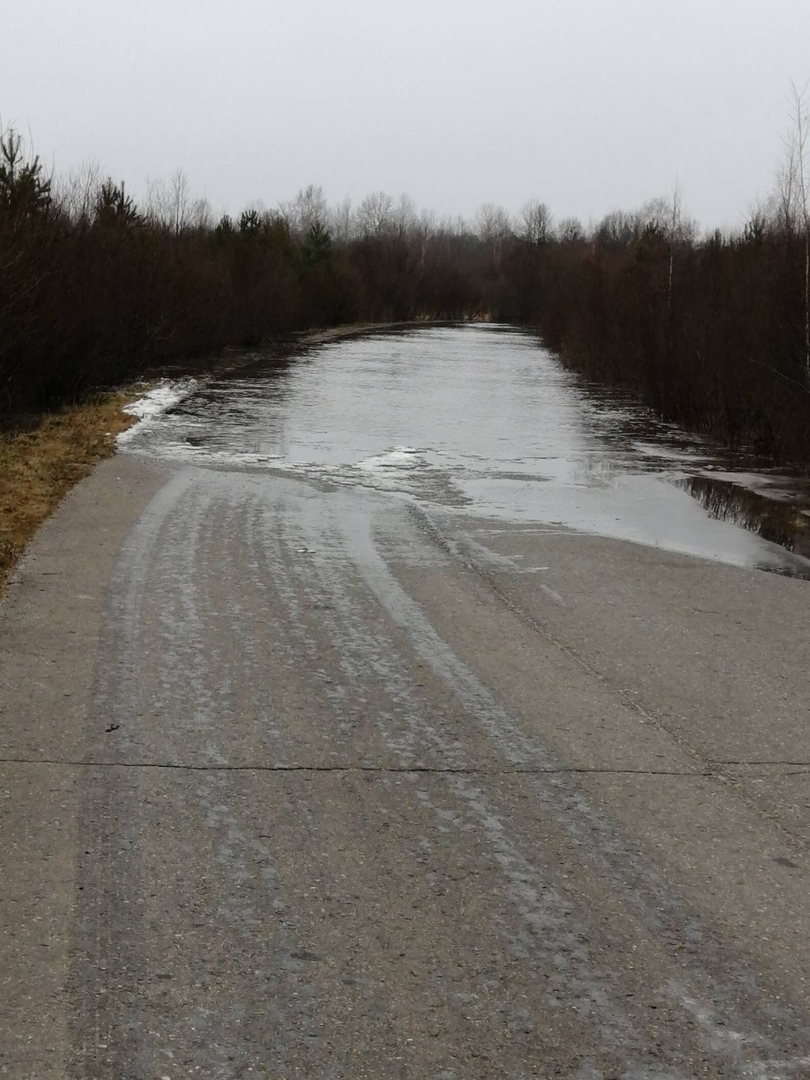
[484, 419]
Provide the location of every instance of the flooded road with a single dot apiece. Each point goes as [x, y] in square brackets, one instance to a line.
[483, 419]
[336, 742]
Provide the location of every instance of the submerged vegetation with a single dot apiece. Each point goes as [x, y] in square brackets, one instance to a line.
[711, 331]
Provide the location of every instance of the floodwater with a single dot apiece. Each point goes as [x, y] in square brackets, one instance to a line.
[484, 420]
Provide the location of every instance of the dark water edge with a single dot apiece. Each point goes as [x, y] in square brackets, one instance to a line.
[740, 486]
[782, 520]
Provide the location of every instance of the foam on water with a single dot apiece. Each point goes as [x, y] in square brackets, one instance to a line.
[155, 402]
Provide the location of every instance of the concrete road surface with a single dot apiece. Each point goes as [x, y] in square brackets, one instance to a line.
[301, 781]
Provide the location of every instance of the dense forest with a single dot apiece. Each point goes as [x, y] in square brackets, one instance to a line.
[712, 331]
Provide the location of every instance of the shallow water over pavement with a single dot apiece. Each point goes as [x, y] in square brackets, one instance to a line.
[484, 418]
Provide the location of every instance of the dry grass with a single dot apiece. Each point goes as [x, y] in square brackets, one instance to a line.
[41, 462]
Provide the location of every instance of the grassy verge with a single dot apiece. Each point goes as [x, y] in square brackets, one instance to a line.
[41, 461]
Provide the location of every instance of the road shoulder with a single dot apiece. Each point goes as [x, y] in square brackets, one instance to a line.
[50, 627]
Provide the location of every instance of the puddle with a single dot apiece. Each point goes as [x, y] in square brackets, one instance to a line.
[483, 418]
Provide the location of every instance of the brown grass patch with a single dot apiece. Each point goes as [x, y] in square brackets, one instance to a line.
[41, 461]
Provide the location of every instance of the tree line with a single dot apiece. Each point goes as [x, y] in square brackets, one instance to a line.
[95, 289]
[711, 330]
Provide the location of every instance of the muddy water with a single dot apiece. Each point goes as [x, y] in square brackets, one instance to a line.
[485, 420]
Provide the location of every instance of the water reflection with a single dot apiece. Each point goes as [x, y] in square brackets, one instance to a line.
[484, 418]
[784, 523]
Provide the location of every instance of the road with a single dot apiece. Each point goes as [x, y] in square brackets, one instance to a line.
[308, 781]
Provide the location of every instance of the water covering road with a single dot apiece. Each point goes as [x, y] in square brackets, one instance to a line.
[483, 418]
[335, 742]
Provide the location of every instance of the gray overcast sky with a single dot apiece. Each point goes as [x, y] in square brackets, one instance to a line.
[587, 105]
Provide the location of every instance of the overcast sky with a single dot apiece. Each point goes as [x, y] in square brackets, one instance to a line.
[588, 105]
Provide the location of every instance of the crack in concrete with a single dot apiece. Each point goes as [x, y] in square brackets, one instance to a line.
[785, 764]
[461, 770]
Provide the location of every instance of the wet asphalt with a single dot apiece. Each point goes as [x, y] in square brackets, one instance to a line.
[299, 780]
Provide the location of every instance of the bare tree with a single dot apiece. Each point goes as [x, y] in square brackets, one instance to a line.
[665, 216]
[375, 214]
[455, 225]
[492, 222]
[307, 209]
[180, 205]
[793, 195]
[683, 229]
[535, 222]
[425, 229]
[801, 123]
[169, 204]
[569, 230]
[157, 201]
[493, 225]
[201, 214]
[341, 221]
[404, 215]
[76, 193]
[784, 196]
[617, 230]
